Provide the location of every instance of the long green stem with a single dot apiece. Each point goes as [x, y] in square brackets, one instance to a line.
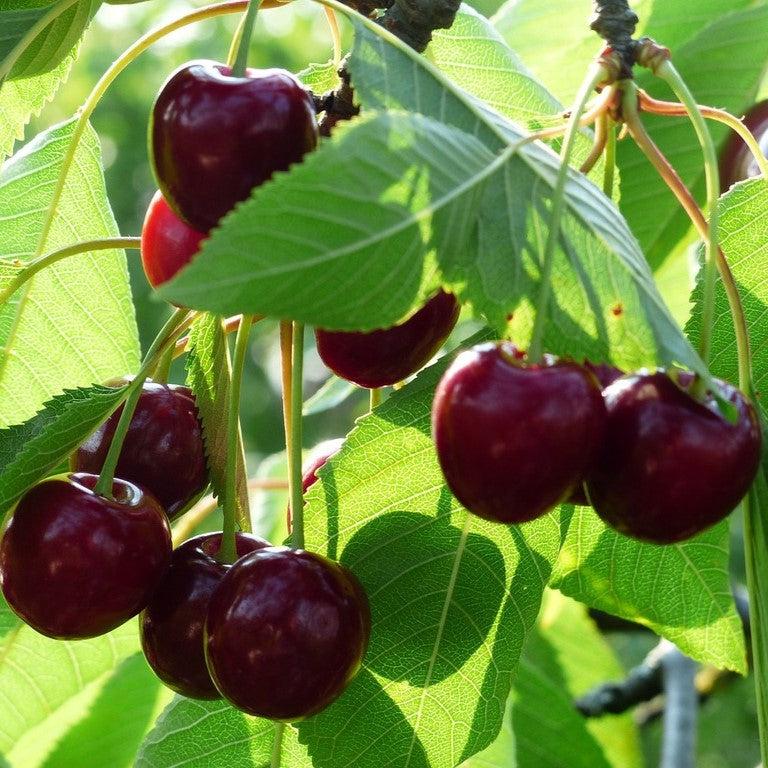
[667, 72]
[167, 336]
[375, 398]
[277, 745]
[17, 51]
[609, 171]
[246, 32]
[295, 440]
[228, 551]
[595, 76]
[33, 267]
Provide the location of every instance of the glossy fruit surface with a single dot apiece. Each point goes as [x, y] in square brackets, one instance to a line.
[74, 564]
[286, 631]
[316, 459]
[167, 243]
[671, 466]
[384, 357]
[163, 450]
[214, 137]
[513, 438]
[172, 623]
[736, 161]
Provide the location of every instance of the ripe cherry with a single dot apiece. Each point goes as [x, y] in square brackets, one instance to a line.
[163, 450]
[671, 466]
[74, 564]
[386, 356]
[172, 623]
[736, 161]
[515, 438]
[286, 632]
[167, 243]
[214, 137]
[317, 458]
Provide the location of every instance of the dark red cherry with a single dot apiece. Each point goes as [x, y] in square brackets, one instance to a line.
[167, 243]
[286, 632]
[383, 357]
[514, 438]
[172, 624]
[214, 137]
[74, 564]
[163, 450]
[671, 466]
[736, 161]
[316, 459]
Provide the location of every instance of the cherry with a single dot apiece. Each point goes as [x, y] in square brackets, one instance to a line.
[515, 438]
[74, 564]
[167, 243]
[286, 632]
[736, 161]
[317, 458]
[163, 450]
[214, 137]
[671, 466]
[386, 356]
[172, 623]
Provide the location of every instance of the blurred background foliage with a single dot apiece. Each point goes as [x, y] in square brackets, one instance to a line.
[292, 37]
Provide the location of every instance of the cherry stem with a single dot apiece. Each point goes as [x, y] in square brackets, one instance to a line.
[29, 270]
[17, 51]
[241, 59]
[598, 145]
[609, 172]
[277, 745]
[675, 109]
[294, 435]
[596, 75]
[228, 550]
[670, 176]
[375, 397]
[333, 25]
[175, 325]
[667, 72]
[163, 369]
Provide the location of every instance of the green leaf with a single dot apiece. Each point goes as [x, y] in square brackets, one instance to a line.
[21, 100]
[563, 658]
[51, 46]
[320, 78]
[40, 678]
[209, 374]
[723, 66]
[73, 324]
[452, 596]
[334, 392]
[30, 451]
[212, 734]
[744, 240]
[681, 591]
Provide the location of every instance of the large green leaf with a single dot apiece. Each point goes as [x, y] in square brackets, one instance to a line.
[723, 65]
[30, 451]
[293, 251]
[21, 100]
[212, 734]
[563, 658]
[39, 678]
[73, 324]
[52, 44]
[452, 596]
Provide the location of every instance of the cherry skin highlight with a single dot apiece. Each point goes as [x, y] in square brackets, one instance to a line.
[671, 466]
[514, 438]
[386, 356]
[163, 450]
[286, 632]
[167, 243]
[171, 626]
[214, 137]
[736, 161]
[74, 564]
